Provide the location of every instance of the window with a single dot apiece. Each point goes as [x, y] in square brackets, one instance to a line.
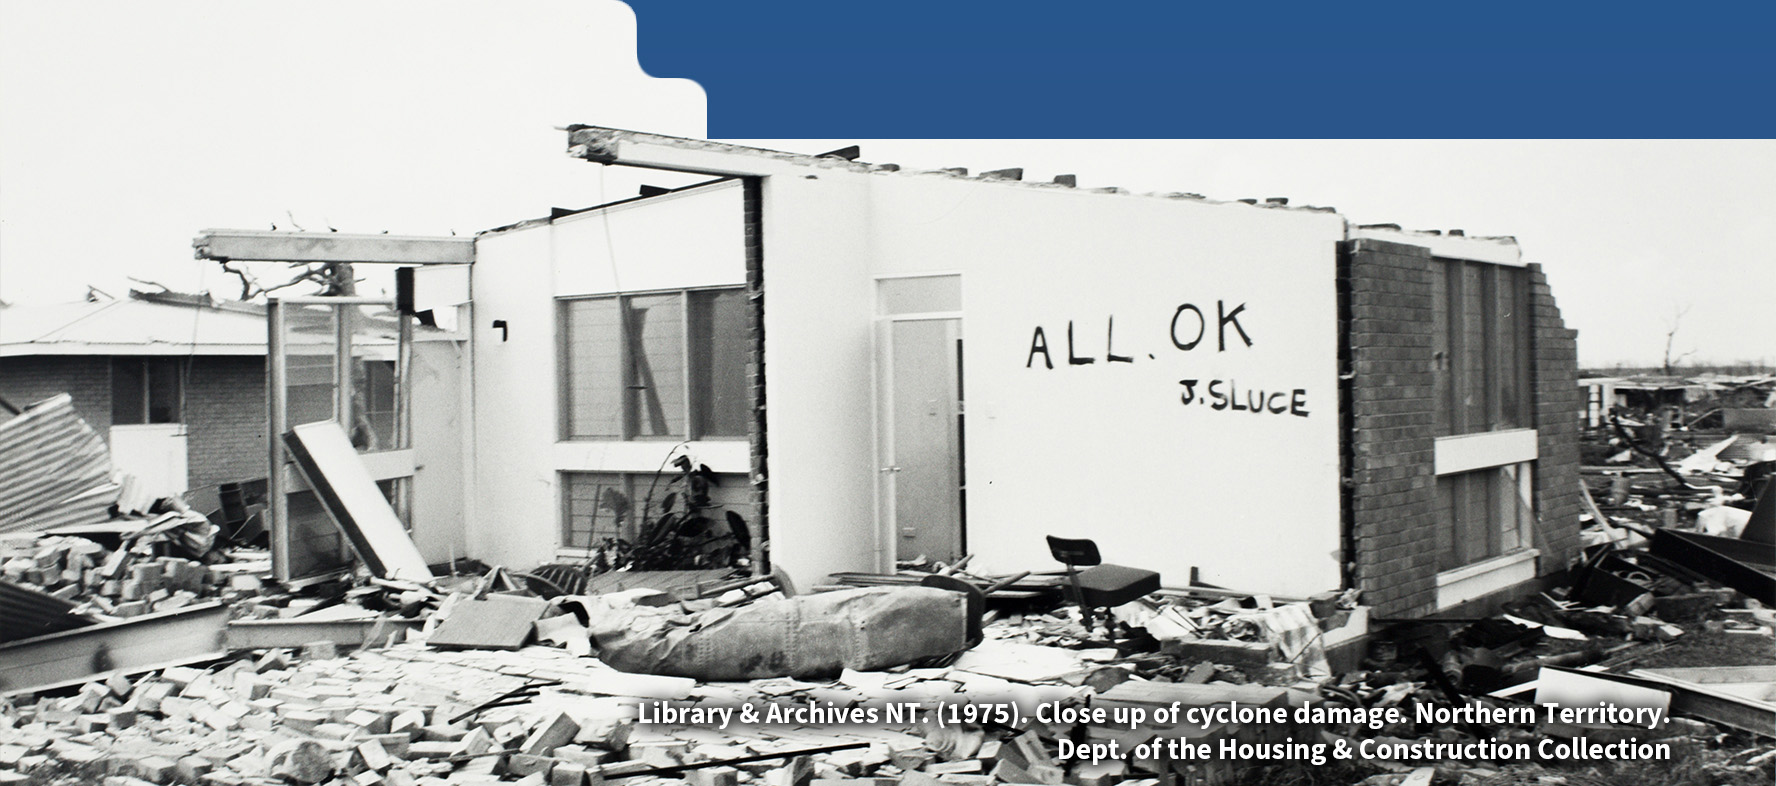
[660, 365]
[1487, 514]
[146, 390]
[1480, 341]
[611, 505]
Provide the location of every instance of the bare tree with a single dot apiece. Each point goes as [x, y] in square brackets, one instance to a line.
[331, 278]
[1671, 337]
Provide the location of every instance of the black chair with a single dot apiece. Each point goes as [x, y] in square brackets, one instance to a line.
[1099, 586]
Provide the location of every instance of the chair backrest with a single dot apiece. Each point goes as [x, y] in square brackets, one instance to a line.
[1074, 552]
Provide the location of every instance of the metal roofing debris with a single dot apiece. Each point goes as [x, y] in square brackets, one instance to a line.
[54, 469]
[25, 612]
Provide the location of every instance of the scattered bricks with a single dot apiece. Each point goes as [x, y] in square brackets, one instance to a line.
[408, 722]
[716, 776]
[320, 650]
[272, 660]
[443, 732]
[89, 724]
[474, 743]
[156, 769]
[374, 756]
[120, 717]
[960, 766]
[431, 749]
[303, 761]
[507, 735]
[617, 768]
[567, 773]
[336, 731]
[915, 759]
[181, 676]
[301, 720]
[192, 769]
[548, 736]
[395, 744]
[611, 734]
[119, 685]
[797, 771]
[524, 764]
[371, 722]
[585, 757]
[148, 696]
[661, 753]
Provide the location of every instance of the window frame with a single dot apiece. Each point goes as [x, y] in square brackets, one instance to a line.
[145, 365]
[1504, 299]
[689, 414]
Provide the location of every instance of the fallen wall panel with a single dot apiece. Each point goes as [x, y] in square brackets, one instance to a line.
[346, 490]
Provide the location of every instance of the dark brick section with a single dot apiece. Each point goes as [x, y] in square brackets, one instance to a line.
[1385, 294]
[752, 206]
[1559, 409]
[225, 420]
[27, 380]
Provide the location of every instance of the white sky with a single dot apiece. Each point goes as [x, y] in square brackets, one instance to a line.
[125, 128]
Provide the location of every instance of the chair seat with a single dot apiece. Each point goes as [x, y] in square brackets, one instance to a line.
[1114, 585]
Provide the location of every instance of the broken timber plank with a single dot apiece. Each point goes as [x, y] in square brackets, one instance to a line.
[331, 466]
[293, 633]
[260, 246]
[137, 644]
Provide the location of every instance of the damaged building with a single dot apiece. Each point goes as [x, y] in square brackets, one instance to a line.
[878, 365]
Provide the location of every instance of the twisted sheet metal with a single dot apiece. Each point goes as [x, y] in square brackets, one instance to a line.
[54, 469]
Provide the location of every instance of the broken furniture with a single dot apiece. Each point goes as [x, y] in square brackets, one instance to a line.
[1099, 585]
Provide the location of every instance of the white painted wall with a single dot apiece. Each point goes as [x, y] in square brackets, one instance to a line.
[685, 239]
[1106, 451]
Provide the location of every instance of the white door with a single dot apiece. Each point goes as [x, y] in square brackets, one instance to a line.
[922, 438]
[154, 453]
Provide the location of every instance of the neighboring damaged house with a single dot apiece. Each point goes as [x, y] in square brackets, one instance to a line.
[879, 365]
[175, 383]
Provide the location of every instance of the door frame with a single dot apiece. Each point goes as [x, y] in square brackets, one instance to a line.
[882, 372]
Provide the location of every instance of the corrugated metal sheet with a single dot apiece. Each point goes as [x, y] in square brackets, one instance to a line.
[54, 469]
[25, 612]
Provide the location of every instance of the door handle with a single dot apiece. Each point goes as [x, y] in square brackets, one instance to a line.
[889, 469]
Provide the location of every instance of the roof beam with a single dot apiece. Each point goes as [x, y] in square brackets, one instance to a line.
[246, 245]
[696, 156]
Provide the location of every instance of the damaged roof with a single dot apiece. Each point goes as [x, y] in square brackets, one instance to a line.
[657, 151]
[131, 327]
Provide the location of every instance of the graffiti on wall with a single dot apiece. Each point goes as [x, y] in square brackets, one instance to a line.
[1191, 329]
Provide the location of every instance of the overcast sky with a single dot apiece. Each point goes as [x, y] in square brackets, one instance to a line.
[128, 127]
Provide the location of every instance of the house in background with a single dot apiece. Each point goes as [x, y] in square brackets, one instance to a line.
[878, 365]
[175, 383]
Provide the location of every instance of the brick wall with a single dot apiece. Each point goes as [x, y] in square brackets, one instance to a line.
[225, 420]
[1559, 406]
[752, 207]
[1385, 294]
[27, 380]
[224, 412]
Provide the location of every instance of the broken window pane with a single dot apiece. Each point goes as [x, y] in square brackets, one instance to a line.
[656, 357]
[719, 349]
[163, 390]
